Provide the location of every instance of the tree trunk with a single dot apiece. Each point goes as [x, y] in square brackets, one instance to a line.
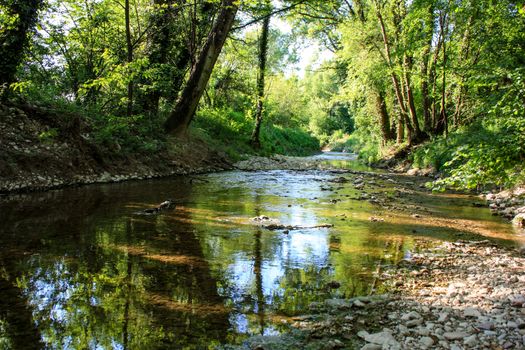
[384, 119]
[410, 99]
[465, 56]
[425, 59]
[158, 46]
[129, 58]
[182, 114]
[442, 123]
[14, 38]
[400, 129]
[427, 117]
[433, 80]
[263, 52]
[393, 75]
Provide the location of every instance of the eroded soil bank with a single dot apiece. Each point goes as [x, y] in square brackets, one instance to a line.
[42, 149]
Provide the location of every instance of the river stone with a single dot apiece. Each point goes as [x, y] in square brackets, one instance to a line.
[519, 220]
[337, 303]
[426, 341]
[471, 341]
[105, 177]
[383, 338]
[486, 326]
[359, 303]
[471, 312]
[455, 335]
[413, 323]
[443, 316]
[370, 346]
[410, 316]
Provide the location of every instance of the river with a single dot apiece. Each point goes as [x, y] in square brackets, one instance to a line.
[79, 268]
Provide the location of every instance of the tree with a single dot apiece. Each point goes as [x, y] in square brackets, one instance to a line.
[17, 19]
[262, 57]
[184, 110]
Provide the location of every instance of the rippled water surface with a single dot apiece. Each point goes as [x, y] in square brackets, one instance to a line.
[80, 269]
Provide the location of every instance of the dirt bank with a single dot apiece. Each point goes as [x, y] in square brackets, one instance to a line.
[44, 149]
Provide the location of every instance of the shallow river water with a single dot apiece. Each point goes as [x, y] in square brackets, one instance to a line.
[79, 269]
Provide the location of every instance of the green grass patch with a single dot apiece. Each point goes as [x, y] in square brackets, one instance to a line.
[230, 131]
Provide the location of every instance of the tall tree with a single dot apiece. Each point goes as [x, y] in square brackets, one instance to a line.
[262, 57]
[183, 112]
[129, 57]
[18, 19]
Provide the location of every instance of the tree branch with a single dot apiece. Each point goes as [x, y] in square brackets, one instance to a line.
[281, 10]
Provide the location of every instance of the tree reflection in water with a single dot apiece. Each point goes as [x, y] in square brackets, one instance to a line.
[79, 270]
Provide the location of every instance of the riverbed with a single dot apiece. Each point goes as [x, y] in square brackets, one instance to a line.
[88, 268]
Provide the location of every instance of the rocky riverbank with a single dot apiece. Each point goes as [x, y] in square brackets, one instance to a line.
[510, 204]
[465, 295]
[42, 149]
[280, 162]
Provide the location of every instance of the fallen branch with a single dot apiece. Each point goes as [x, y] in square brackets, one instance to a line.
[274, 227]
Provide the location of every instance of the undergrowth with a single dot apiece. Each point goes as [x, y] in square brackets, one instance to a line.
[230, 131]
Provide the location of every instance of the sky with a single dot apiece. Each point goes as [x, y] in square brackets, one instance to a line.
[311, 53]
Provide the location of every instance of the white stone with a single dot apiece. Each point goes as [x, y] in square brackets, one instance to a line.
[443, 316]
[455, 335]
[359, 303]
[381, 338]
[410, 316]
[471, 312]
[426, 341]
[471, 341]
[371, 347]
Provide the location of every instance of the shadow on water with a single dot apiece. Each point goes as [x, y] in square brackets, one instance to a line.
[80, 270]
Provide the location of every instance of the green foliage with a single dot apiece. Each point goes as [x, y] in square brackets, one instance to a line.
[48, 136]
[290, 141]
[489, 152]
[230, 131]
[128, 135]
[492, 157]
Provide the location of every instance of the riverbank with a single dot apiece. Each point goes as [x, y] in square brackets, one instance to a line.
[42, 150]
[463, 295]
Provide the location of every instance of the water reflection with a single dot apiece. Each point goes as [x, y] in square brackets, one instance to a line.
[80, 270]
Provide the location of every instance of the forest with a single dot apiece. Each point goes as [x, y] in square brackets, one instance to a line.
[438, 81]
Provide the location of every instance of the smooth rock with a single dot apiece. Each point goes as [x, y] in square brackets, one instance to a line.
[381, 338]
[455, 335]
[359, 303]
[426, 341]
[486, 326]
[371, 347]
[471, 341]
[414, 323]
[443, 317]
[471, 312]
[410, 316]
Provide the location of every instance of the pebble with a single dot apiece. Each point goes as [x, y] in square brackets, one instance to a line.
[371, 347]
[455, 335]
[426, 342]
[471, 312]
[471, 341]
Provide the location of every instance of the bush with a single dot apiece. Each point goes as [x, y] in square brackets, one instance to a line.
[488, 153]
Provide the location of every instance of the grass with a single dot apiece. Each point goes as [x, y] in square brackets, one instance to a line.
[230, 131]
